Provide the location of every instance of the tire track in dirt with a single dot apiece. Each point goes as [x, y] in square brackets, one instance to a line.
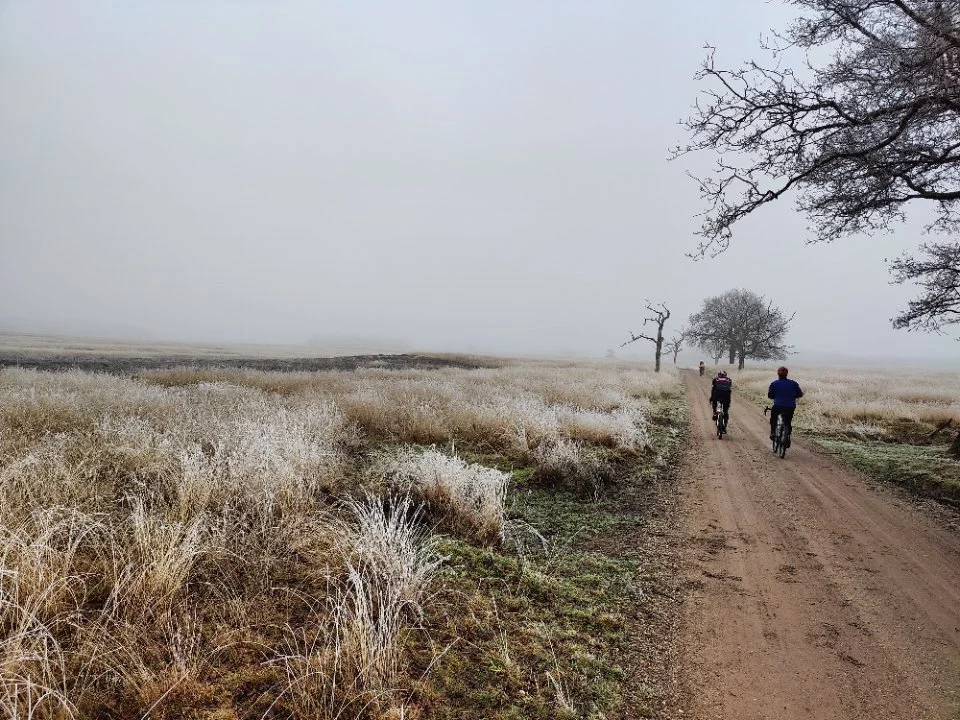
[816, 595]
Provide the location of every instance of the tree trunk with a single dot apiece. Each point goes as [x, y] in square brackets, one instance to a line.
[733, 355]
[741, 363]
[660, 316]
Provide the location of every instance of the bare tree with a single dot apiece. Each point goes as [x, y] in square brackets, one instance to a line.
[715, 326]
[675, 344]
[716, 348]
[866, 125]
[939, 276]
[659, 314]
[742, 323]
[763, 332]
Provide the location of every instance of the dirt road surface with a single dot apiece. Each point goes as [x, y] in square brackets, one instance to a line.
[816, 595]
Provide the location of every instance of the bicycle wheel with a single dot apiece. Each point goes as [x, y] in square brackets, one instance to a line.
[720, 426]
[782, 440]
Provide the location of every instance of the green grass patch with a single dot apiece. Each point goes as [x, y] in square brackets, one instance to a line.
[560, 620]
[924, 470]
[902, 454]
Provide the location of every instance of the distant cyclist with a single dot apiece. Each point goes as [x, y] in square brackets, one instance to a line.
[784, 393]
[702, 368]
[721, 390]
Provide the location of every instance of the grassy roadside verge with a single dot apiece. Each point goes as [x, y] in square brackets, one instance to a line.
[575, 619]
[922, 470]
[379, 544]
[894, 449]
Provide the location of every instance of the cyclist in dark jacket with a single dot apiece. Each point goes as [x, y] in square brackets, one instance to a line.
[721, 391]
[784, 393]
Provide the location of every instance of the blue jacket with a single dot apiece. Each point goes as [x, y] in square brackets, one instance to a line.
[784, 392]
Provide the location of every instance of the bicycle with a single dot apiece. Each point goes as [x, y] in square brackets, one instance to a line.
[781, 437]
[720, 418]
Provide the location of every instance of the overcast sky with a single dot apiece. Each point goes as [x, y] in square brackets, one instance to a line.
[453, 175]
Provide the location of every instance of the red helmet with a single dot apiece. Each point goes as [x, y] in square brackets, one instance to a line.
[782, 371]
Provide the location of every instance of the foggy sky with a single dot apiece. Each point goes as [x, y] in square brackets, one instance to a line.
[454, 175]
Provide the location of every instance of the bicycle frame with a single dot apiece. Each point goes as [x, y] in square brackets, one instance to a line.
[780, 435]
[721, 421]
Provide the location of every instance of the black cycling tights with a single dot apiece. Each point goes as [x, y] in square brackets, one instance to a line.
[725, 404]
[787, 418]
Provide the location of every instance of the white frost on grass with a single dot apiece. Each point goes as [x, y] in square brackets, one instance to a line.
[865, 401]
[132, 505]
[471, 496]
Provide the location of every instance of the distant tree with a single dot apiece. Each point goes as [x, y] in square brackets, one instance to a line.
[611, 355]
[743, 324]
[675, 344]
[938, 273]
[659, 314]
[856, 116]
[714, 328]
[715, 347]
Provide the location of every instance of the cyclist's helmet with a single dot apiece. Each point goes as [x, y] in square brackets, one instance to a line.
[782, 371]
[722, 373]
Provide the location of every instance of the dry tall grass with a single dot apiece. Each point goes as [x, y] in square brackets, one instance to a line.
[513, 409]
[871, 403]
[468, 498]
[162, 533]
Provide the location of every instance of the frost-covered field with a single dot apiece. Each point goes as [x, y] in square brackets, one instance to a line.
[265, 544]
[867, 402]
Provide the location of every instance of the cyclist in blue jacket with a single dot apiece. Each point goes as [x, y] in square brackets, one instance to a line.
[784, 393]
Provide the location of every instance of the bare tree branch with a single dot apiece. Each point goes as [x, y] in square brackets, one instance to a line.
[659, 314]
[675, 344]
[855, 138]
[937, 272]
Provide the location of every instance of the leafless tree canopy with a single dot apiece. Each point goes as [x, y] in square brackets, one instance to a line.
[743, 324]
[659, 314]
[938, 273]
[854, 137]
[716, 348]
[674, 345]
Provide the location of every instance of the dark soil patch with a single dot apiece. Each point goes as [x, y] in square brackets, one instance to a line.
[124, 365]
